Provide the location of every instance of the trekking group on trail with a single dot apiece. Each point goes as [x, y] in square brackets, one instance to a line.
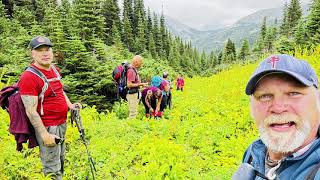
[38, 105]
[155, 97]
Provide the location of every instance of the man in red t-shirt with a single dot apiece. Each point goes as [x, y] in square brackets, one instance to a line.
[47, 114]
[133, 84]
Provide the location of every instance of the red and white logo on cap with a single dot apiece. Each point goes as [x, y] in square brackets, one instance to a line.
[273, 60]
[41, 40]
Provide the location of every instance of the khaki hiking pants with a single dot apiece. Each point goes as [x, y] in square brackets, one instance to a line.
[52, 158]
[133, 102]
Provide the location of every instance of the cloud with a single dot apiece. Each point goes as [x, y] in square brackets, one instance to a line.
[207, 12]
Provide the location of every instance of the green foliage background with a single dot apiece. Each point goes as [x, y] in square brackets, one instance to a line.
[202, 137]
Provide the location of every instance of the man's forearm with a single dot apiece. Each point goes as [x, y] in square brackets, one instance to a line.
[30, 104]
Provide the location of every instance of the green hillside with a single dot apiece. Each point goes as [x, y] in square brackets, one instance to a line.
[202, 137]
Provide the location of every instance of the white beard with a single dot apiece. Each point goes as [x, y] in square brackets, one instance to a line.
[284, 142]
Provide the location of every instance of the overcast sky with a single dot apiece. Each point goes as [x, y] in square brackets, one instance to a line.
[198, 13]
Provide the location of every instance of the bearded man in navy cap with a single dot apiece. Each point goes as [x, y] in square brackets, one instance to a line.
[285, 104]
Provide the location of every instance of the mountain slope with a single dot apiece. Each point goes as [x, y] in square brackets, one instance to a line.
[246, 27]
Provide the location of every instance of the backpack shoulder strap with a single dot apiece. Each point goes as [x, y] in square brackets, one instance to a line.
[56, 72]
[45, 85]
[37, 72]
[313, 172]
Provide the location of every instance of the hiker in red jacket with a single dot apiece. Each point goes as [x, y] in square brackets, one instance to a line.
[47, 112]
[180, 83]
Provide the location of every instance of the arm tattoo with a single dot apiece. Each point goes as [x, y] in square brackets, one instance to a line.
[30, 104]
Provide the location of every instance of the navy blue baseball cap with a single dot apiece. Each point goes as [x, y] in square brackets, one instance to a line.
[39, 41]
[282, 63]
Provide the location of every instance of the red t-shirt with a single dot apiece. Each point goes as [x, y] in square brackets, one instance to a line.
[132, 76]
[55, 107]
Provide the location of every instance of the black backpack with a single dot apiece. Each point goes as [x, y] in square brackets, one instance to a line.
[122, 85]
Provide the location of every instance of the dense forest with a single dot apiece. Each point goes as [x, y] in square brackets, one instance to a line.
[91, 37]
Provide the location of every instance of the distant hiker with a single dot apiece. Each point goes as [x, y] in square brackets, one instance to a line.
[165, 77]
[285, 105]
[119, 77]
[47, 112]
[180, 83]
[133, 85]
[151, 99]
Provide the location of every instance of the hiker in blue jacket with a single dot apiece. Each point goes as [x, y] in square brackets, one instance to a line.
[285, 104]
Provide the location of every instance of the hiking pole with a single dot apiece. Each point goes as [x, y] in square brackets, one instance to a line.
[75, 117]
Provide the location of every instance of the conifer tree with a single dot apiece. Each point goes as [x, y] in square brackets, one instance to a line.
[157, 35]
[128, 13]
[229, 53]
[23, 12]
[263, 30]
[138, 16]
[116, 37]
[110, 11]
[244, 50]
[284, 31]
[128, 38]
[174, 55]
[39, 7]
[149, 28]
[140, 38]
[90, 21]
[300, 34]
[36, 29]
[2, 12]
[213, 59]
[220, 56]
[164, 39]
[294, 15]
[53, 26]
[204, 61]
[313, 23]
[152, 45]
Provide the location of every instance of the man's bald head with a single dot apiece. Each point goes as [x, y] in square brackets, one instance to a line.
[137, 61]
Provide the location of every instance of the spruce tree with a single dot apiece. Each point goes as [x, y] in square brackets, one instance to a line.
[90, 21]
[244, 50]
[149, 28]
[2, 11]
[24, 13]
[300, 34]
[116, 36]
[138, 16]
[313, 24]
[284, 28]
[53, 26]
[203, 61]
[213, 59]
[140, 38]
[294, 15]
[229, 52]
[157, 35]
[128, 38]
[128, 13]
[110, 11]
[164, 38]
[152, 46]
[263, 30]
